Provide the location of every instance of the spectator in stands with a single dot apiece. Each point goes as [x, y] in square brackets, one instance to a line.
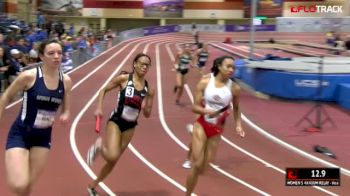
[10, 42]
[4, 47]
[108, 37]
[41, 20]
[34, 53]
[31, 38]
[48, 26]
[67, 62]
[347, 44]
[15, 29]
[40, 34]
[2, 38]
[71, 30]
[59, 28]
[82, 49]
[82, 31]
[3, 71]
[16, 64]
[22, 46]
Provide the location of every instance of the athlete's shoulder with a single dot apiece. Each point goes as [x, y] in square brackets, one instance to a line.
[204, 80]
[206, 76]
[28, 75]
[123, 77]
[235, 87]
[66, 77]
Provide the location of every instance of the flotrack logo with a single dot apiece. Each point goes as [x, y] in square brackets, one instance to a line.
[317, 9]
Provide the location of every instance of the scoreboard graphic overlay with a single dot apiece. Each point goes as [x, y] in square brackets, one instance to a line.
[312, 177]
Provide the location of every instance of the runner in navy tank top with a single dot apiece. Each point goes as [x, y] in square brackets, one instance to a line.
[135, 95]
[44, 88]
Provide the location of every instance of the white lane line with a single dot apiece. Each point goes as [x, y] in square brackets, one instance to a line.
[158, 171]
[149, 164]
[130, 41]
[77, 119]
[291, 147]
[241, 49]
[74, 146]
[343, 170]
[170, 132]
[267, 164]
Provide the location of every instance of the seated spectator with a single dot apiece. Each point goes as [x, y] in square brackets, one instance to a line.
[71, 31]
[3, 71]
[330, 38]
[108, 37]
[347, 45]
[16, 64]
[22, 46]
[34, 53]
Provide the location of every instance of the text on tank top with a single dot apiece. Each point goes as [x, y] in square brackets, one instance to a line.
[40, 104]
[130, 101]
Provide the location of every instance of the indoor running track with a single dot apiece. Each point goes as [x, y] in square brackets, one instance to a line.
[152, 163]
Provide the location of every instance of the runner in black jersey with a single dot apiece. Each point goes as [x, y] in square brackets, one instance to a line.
[44, 88]
[202, 55]
[135, 95]
[182, 62]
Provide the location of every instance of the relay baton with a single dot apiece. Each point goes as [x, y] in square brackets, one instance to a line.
[223, 109]
[97, 124]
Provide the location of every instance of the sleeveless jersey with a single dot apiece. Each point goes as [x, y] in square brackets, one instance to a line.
[184, 61]
[40, 104]
[129, 101]
[217, 98]
[203, 56]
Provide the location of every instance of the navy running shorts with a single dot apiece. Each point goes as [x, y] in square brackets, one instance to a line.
[122, 124]
[182, 71]
[22, 136]
[200, 64]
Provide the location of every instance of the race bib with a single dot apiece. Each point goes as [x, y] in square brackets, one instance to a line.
[129, 91]
[130, 114]
[44, 119]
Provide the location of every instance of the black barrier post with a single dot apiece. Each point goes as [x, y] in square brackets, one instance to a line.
[317, 108]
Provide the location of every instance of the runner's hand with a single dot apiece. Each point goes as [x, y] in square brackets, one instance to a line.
[64, 118]
[98, 112]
